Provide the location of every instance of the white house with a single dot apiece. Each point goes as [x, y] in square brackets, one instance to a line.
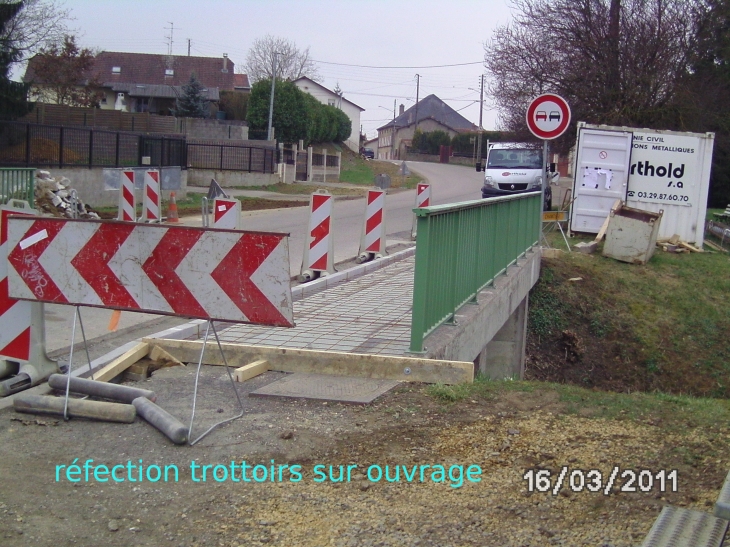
[327, 96]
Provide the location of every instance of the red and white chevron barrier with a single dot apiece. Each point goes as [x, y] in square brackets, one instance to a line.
[227, 213]
[319, 245]
[175, 270]
[423, 199]
[15, 315]
[151, 203]
[373, 233]
[127, 201]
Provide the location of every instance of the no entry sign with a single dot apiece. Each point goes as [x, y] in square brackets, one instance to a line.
[548, 116]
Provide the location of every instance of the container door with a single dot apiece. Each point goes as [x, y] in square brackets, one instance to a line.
[601, 176]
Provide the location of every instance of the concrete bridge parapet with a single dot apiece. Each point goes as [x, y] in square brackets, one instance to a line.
[492, 332]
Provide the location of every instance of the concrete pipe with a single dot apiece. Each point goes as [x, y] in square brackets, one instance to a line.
[168, 425]
[123, 394]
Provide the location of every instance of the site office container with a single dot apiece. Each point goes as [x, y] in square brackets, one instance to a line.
[665, 170]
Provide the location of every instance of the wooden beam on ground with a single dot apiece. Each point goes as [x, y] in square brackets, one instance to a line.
[690, 247]
[604, 227]
[251, 370]
[122, 363]
[404, 369]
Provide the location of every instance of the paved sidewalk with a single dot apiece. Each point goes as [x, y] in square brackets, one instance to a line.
[370, 314]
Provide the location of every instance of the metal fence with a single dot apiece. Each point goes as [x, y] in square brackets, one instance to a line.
[230, 157]
[461, 248]
[17, 184]
[24, 144]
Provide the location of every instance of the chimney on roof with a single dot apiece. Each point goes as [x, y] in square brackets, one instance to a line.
[225, 63]
[401, 109]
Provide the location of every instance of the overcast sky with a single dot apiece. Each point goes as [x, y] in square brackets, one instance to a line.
[376, 33]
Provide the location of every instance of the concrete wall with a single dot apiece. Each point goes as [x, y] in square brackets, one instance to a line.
[89, 183]
[228, 179]
[214, 129]
[491, 333]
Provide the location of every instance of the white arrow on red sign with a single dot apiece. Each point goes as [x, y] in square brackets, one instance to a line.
[176, 270]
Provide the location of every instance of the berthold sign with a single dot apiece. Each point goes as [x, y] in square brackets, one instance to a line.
[664, 168]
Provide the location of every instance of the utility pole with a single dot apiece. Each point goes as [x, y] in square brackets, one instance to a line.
[392, 139]
[188, 47]
[271, 101]
[418, 85]
[481, 109]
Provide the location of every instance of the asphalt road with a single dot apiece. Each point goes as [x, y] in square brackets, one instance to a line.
[450, 184]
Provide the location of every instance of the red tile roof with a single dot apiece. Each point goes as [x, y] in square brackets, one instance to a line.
[150, 69]
[240, 81]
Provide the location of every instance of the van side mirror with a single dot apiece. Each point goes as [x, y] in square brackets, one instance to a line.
[553, 167]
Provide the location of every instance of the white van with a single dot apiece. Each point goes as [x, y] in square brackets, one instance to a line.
[512, 168]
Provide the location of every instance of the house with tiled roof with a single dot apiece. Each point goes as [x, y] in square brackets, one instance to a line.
[327, 96]
[429, 114]
[144, 82]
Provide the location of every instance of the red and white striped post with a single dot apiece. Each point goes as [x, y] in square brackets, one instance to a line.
[319, 245]
[372, 242]
[22, 334]
[423, 199]
[227, 213]
[151, 203]
[127, 201]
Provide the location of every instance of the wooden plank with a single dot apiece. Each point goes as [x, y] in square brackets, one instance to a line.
[403, 369]
[121, 363]
[690, 247]
[251, 370]
[604, 227]
[714, 246]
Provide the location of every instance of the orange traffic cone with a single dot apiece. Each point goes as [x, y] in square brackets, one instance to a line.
[172, 209]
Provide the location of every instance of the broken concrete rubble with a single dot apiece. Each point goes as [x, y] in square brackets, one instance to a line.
[55, 196]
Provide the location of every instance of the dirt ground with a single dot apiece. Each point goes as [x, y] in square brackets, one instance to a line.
[505, 432]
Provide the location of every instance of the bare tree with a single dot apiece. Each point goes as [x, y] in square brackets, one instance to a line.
[39, 24]
[615, 61]
[291, 62]
[62, 75]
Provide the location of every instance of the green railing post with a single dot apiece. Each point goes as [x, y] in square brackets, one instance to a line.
[420, 282]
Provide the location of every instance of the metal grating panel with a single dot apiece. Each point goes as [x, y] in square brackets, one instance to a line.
[722, 505]
[676, 527]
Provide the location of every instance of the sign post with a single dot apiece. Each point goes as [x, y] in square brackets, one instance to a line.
[548, 116]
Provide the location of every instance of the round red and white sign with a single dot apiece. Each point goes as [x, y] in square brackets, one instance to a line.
[548, 116]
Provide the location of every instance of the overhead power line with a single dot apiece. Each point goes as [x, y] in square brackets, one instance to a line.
[372, 66]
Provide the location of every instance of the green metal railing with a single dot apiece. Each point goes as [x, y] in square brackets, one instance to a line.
[17, 184]
[461, 248]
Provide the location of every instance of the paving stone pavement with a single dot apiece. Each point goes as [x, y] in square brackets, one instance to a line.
[370, 314]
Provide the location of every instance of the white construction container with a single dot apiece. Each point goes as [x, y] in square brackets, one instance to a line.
[666, 170]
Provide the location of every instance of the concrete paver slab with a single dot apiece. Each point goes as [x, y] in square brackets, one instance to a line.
[342, 389]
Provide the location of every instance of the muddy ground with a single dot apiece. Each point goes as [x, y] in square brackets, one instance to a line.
[505, 432]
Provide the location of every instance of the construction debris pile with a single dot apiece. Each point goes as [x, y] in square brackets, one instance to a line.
[56, 197]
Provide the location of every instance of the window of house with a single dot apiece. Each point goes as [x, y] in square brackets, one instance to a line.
[142, 104]
[116, 70]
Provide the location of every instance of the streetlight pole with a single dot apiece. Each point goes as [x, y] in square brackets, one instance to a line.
[392, 132]
[481, 109]
[271, 100]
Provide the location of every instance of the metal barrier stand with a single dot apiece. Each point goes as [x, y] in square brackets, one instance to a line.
[195, 390]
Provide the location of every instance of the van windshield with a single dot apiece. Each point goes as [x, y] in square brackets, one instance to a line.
[515, 158]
